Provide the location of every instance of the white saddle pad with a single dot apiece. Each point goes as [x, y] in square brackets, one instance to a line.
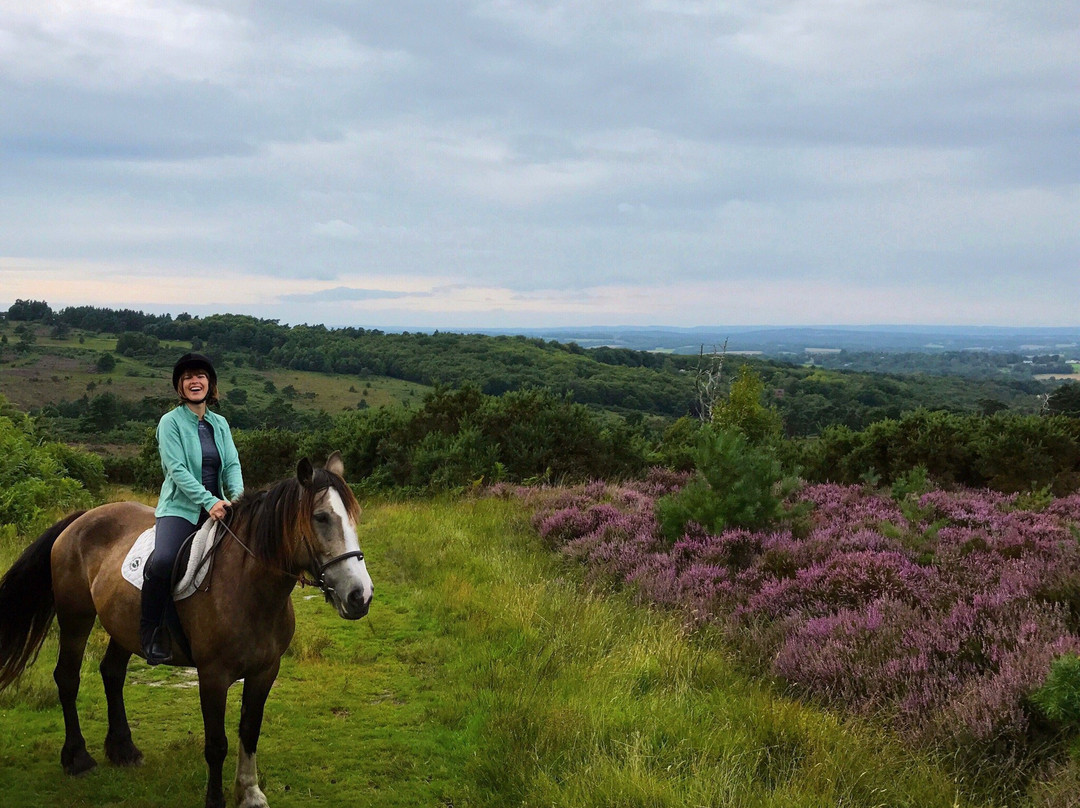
[201, 545]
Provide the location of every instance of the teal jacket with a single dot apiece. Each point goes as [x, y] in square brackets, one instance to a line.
[182, 493]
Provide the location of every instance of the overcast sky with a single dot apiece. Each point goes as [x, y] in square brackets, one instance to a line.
[508, 163]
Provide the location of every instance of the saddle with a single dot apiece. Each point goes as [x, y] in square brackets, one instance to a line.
[189, 573]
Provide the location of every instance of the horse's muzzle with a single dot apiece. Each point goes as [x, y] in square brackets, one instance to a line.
[356, 605]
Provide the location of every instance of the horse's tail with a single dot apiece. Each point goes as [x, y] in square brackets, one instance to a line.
[27, 605]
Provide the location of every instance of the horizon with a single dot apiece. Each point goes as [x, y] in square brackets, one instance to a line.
[479, 328]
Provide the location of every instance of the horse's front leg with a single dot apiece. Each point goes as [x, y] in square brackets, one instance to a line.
[256, 689]
[213, 688]
[118, 745]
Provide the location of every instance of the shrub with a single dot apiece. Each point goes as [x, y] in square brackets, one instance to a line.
[1006, 452]
[743, 411]
[36, 478]
[85, 468]
[458, 437]
[106, 363]
[267, 455]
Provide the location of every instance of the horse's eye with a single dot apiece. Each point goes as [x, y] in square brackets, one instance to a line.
[322, 518]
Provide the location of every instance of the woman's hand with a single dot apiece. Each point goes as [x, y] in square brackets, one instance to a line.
[219, 509]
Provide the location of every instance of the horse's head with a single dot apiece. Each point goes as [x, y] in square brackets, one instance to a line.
[331, 511]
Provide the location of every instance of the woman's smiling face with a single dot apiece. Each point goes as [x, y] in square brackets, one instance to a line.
[194, 385]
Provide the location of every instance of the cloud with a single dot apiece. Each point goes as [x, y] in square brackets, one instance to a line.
[503, 149]
[336, 229]
[343, 294]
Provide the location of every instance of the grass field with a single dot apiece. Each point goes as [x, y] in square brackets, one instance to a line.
[485, 675]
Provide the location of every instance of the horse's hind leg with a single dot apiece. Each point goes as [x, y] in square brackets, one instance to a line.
[74, 629]
[118, 745]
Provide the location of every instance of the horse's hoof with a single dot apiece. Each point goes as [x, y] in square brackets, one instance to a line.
[123, 753]
[79, 763]
[251, 798]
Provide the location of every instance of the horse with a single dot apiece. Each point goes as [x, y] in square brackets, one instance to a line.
[238, 626]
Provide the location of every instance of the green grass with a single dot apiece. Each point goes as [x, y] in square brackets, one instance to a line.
[485, 675]
[324, 391]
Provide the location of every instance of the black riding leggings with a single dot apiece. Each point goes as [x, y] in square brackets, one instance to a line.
[171, 533]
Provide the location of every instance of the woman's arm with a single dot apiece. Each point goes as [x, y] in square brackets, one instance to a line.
[231, 475]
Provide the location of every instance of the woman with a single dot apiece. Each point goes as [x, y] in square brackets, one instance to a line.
[201, 466]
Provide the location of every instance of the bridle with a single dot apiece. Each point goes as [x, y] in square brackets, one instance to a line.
[317, 569]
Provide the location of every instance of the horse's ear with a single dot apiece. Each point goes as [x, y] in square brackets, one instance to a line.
[335, 465]
[305, 473]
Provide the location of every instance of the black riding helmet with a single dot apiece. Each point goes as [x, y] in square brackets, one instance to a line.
[193, 361]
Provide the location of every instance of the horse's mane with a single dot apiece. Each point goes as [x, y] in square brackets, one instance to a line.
[277, 520]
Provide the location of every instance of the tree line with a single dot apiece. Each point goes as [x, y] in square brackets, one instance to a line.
[631, 383]
[971, 364]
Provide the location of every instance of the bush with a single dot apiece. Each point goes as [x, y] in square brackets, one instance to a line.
[38, 479]
[1006, 452]
[85, 468]
[458, 437]
[106, 363]
[744, 412]
[267, 455]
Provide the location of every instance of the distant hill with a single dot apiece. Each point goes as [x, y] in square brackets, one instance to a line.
[786, 342]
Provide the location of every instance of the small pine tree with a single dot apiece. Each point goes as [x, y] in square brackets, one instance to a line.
[744, 411]
[1059, 697]
[735, 485]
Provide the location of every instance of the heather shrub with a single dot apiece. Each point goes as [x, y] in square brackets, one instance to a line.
[952, 615]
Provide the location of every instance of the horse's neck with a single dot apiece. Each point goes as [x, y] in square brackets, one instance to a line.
[252, 582]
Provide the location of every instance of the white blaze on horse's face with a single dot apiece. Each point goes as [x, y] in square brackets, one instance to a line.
[347, 582]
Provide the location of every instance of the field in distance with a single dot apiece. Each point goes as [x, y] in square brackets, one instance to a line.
[52, 371]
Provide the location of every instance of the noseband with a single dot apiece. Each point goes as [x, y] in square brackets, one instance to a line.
[318, 570]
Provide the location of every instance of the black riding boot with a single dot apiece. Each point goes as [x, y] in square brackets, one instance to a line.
[155, 599]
